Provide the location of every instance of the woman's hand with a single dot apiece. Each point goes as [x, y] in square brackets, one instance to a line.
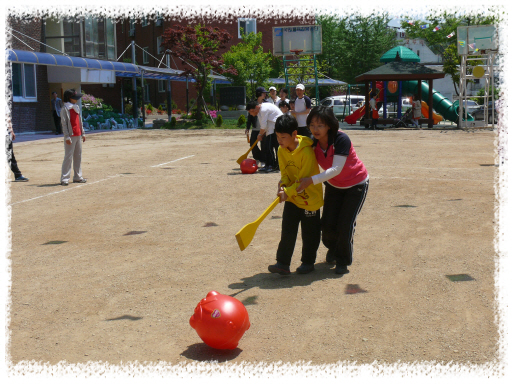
[304, 183]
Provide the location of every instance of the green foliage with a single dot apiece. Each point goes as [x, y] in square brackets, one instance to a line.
[173, 105]
[173, 122]
[150, 107]
[481, 92]
[241, 121]
[128, 109]
[353, 44]
[438, 41]
[218, 121]
[251, 63]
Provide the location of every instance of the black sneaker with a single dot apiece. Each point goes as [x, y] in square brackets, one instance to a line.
[305, 268]
[330, 258]
[341, 269]
[279, 268]
[21, 178]
[264, 169]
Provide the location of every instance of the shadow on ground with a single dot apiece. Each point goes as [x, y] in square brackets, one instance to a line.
[275, 281]
[202, 352]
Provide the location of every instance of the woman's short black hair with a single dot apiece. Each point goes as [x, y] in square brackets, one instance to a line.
[68, 93]
[326, 115]
[286, 124]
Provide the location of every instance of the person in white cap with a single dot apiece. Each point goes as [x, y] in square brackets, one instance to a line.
[301, 111]
[273, 95]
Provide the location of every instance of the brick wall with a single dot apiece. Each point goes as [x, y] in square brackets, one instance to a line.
[34, 116]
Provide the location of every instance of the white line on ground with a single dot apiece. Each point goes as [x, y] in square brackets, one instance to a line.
[65, 190]
[428, 178]
[172, 161]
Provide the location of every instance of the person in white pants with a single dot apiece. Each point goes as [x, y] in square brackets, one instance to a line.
[73, 131]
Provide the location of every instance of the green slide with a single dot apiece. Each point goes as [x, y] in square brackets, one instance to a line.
[442, 105]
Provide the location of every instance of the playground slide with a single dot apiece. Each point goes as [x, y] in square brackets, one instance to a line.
[354, 117]
[424, 112]
[441, 104]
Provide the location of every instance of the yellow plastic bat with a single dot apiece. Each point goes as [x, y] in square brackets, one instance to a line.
[244, 156]
[245, 235]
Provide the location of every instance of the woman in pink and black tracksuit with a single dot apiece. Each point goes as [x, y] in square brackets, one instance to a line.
[346, 184]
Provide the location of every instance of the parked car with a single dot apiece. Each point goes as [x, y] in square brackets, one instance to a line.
[342, 105]
[479, 113]
[392, 107]
[471, 106]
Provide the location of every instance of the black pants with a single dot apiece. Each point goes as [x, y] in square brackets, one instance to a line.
[341, 207]
[310, 230]
[10, 157]
[268, 146]
[256, 151]
[56, 120]
[304, 131]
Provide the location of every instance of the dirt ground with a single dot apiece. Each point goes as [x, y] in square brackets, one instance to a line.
[102, 295]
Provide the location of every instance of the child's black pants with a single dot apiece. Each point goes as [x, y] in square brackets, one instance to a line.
[310, 230]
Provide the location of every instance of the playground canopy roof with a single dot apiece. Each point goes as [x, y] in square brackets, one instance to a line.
[405, 54]
[396, 71]
[310, 82]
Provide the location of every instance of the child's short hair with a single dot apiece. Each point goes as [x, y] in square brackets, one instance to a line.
[372, 94]
[286, 124]
[326, 115]
[284, 90]
[292, 101]
[283, 103]
[68, 93]
[251, 105]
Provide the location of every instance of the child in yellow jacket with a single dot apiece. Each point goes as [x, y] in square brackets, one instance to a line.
[296, 161]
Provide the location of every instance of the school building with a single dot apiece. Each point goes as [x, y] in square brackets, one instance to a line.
[93, 55]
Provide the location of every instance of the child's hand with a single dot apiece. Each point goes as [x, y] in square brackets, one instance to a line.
[282, 196]
[304, 183]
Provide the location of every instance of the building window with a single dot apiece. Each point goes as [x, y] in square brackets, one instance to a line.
[246, 26]
[145, 55]
[144, 22]
[161, 85]
[159, 48]
[132, 27]
[24, 82]
[418, 52]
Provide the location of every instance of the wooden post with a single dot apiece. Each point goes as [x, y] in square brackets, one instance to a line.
[430, 104]
[367, 103]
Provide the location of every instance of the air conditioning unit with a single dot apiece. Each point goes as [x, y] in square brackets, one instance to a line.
[159, 22]
[132, 32]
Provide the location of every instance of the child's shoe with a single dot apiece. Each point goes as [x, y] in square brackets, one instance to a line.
[305, 268]
[279, 268]
[341, 269]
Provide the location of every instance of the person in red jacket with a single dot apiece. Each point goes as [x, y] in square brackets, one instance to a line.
[346, 183]
[73, 130]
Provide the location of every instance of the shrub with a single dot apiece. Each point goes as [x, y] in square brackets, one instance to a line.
[173, 122]
[218, 121]
[241, 121]
[150, 107]
[128, 109]
[173, 105]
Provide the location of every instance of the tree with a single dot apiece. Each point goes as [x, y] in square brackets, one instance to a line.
[253, 66]
[353, 45]
[197, 47]
[438, 41]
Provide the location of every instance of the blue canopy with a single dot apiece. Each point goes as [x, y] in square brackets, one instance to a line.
[43, 58]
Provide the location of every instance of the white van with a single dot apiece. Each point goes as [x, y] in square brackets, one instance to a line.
[342, 105]
[391, 107]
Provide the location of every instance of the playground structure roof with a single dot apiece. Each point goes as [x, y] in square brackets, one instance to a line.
[405, 54]
[397, 71]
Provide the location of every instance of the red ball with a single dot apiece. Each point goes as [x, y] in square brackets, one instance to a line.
[249, 166]
[220, 320]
